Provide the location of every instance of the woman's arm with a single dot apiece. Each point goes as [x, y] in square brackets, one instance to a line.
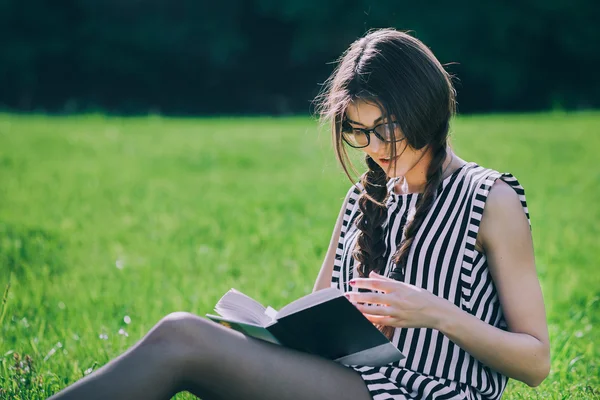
[324, 279]
[522, 353]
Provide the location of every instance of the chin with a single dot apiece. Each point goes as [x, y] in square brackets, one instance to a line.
[395, 172]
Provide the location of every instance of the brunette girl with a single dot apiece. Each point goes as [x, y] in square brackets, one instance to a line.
[436, 251]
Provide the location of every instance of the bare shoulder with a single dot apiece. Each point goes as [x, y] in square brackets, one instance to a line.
[504, 197]
[503, 213]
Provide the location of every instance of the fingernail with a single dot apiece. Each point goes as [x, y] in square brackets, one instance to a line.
[352, 282]
[348, 296]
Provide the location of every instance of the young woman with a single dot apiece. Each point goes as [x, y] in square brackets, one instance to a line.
[436, 251]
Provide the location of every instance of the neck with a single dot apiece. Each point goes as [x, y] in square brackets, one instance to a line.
[416, 177]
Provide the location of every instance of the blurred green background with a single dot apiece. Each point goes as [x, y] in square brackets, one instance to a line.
[105, 220]
[154, 154]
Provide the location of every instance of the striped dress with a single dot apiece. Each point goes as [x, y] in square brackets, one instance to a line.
[444, 261]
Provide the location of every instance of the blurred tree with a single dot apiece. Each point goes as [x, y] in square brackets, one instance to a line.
[269, 56]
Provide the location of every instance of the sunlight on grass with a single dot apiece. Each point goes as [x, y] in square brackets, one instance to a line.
[108, 224]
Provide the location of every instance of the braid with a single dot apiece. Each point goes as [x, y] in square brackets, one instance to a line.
[370, 245]
[434, 177]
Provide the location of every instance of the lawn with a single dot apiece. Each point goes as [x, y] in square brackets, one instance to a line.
[107, 224]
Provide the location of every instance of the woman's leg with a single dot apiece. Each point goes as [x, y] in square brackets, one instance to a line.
[186, 352]
[147, 370]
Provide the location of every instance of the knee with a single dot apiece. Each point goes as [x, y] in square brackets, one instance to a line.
[183, 332]
[180, 340]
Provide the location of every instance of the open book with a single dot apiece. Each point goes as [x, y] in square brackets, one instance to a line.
[324, 323]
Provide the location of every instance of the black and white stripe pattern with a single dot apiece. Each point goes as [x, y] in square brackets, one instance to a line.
[443, 260]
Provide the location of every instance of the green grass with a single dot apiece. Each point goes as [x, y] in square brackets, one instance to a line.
[102, 218]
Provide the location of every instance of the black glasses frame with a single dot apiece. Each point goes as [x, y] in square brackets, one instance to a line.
[368, 132]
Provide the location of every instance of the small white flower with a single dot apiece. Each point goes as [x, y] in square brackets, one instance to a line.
[50, 354]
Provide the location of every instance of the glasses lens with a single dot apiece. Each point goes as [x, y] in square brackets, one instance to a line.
[385, 131]
[354, 137]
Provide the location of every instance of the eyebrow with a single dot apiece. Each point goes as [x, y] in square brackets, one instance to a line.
[358, 123]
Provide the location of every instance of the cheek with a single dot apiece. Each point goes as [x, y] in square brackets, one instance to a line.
[406, 153]
[408, 157]
[415, 154]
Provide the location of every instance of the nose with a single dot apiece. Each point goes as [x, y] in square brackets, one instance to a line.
[376, 145]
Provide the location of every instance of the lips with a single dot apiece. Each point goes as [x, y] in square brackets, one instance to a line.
[387, 160]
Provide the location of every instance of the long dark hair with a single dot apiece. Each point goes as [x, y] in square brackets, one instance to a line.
[400, 75]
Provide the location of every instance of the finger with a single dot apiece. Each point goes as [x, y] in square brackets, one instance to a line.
[374, 310]
[374, 274]
[382, 285]
[369, 297]
[380, 320]
[401, 284]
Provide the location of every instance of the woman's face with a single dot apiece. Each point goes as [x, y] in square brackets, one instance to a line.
[361, 114]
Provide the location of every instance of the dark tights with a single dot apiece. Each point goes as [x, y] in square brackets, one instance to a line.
[184, 352]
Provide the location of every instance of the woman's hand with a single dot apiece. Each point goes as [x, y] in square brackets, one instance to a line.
[400, 305]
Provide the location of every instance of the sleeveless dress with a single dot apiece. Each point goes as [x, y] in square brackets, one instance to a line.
[444, 261]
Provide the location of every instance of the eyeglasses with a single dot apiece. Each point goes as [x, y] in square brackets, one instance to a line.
[360, 137]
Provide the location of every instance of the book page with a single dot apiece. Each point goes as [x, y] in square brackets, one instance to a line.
[271, 313]
[249, 329]
[309, 301]
[237, 306]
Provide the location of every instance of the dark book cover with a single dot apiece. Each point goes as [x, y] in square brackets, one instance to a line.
[334, 329]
